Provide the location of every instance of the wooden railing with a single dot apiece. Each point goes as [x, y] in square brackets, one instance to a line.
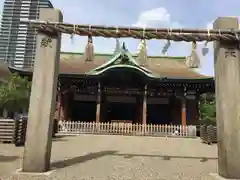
[20, 130]
[75, 128]
[208, 134]
[7, 127]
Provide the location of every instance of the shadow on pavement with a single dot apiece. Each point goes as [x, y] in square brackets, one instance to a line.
[62, 137]
[8, 158]
[166, 157]
[81, 159]
[59, 138]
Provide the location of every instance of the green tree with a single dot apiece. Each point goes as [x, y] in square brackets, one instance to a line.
[208, 109]
[15, 94]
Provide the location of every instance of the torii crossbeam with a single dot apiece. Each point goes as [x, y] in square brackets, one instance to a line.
[188, 35]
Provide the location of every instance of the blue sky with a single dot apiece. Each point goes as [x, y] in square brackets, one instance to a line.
[149, 13]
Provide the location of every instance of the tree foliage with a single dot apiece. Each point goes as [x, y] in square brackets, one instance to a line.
[15, 94]
[208, 109]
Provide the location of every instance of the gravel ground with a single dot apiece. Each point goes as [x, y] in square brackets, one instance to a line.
[90, 157]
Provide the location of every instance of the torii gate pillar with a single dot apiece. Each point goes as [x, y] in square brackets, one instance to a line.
[37, 151]
[227, 83]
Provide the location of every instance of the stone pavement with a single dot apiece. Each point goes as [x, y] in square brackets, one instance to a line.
[92, 157]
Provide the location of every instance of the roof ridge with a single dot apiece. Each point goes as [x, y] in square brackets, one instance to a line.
[123, 52]
[134, 55]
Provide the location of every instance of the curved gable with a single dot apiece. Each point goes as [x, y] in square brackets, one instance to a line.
[123, 59]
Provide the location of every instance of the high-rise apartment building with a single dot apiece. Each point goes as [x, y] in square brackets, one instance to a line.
[18, 40]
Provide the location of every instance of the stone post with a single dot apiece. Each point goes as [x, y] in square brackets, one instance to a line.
[37, 150]
[227, 84]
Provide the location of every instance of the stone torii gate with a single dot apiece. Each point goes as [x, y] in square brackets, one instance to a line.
[37, 151]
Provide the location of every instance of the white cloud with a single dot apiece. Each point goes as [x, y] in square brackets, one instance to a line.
[155, 17]
[209, 25]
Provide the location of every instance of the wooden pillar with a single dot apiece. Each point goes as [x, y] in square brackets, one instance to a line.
[227, 84]
[37, 150]
[139, 113]
[144, 105]
[61, 105]
[58, 106]
[183, 112]
[103, 108]
[98, 103]
[65, 106]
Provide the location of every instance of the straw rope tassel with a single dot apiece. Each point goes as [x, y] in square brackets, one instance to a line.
[194, 46]
[193, 61]
[89, 49]
[72, 35]
[205, 49]
[72, 38]
[142, 55]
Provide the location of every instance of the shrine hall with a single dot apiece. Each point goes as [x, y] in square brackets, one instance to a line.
[128, 88]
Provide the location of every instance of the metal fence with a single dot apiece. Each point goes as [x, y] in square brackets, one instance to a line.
[76, 128]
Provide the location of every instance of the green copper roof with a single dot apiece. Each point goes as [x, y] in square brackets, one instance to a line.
[181, 58]
[123, 59]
